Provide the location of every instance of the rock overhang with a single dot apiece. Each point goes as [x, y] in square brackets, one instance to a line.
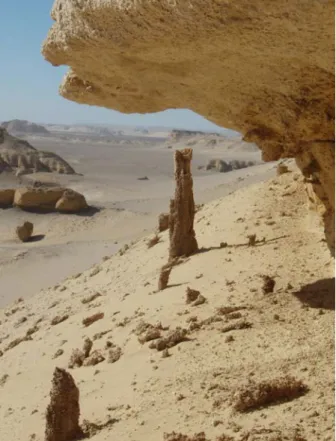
[263, 68]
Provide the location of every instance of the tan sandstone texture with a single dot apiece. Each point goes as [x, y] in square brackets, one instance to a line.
[60, 199]
[182, 209]
[37, 198]
[62, 416]
[263, 68]
[6, 197]
[71, 202]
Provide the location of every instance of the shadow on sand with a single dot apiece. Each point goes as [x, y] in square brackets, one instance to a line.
[89, 212]
[36, 237]
[319, 294]
[259, 243]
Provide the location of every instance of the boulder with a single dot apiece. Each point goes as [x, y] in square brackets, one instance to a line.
[6, 197]
[71, 202]
[25, 231]
[40, 199]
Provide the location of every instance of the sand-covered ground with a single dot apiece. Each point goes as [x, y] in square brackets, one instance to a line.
[124, 207]
[240, 337]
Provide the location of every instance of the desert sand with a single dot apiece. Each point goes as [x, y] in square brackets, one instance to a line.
[78, 266]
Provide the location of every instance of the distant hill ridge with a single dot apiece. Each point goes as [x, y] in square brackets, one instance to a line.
[18, 155]
[18, 126]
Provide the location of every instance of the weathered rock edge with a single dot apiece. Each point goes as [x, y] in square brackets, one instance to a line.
[263, 68]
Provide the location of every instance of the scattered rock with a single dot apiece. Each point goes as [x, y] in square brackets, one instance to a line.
[172, 339]
[252, 239]
[87, 346]
[173, 436]
[114, 355]
[58, 353]
[255, 395]
[25, 231]
[224, 310]
[62, 416]
[236, 326]
[199, 301]
[32, 330]
[194, 297]
[282, 169]
[164, 277]
[95, 358]
[165, 353]
[163, 222]
[17, 341]
[59, 319]
[3, 380]
[20, 321]
[191, 295]
[150, 334]
[90, 298]
[268, 285]
[144, 178]
[153, 241]
[92, 318]
[77, 358]
[99, 335]
[91, 429]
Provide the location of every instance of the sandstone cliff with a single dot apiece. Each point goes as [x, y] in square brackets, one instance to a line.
[263, 68]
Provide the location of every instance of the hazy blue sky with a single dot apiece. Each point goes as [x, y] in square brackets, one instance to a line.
[29, 85]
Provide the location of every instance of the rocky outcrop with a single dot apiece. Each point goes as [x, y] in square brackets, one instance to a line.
[62, 416]
[25, 231]
[44, 199]
[6, 197]
[41, 199]
[18, 155]
[71, 202]
[182, 209]
[265, 69]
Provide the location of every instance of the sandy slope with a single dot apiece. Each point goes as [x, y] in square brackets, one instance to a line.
[128, 207]
[291, 330]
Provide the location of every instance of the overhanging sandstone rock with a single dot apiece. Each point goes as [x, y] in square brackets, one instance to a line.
[264, 68]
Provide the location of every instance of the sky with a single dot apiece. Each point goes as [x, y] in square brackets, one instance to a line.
[29, 84]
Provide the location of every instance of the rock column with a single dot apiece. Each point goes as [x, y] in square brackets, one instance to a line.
[182, 209]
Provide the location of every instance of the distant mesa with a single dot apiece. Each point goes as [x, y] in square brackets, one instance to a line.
[176, 134]
[18, 126]
[20, 157]
[231, 141]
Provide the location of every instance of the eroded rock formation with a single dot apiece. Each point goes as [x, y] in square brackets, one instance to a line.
[182, 209]
[62, 416]
[263, 68]
[43, 199]
[19, 155]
